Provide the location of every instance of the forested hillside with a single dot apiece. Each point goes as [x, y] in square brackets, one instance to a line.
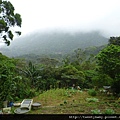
[53, 43]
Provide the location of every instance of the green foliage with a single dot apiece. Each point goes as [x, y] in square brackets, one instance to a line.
[13, 85]
[69, 70]
[109, 111]
[8, 19]
[114, 40]
[92, 99]
[47, 61]
[92, 92]
[70, 75]
[101, 80]
[109, 60]
[79, 56]
[18, 20]
[89, 74]
[31, 71]
[69, 92]
[48, 72]
[29, 93]
[96, 111]
[66, 61]
[109, 64]
[7, 69]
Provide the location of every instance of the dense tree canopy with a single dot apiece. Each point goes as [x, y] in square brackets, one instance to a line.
[109, 60]
[8, 19]
[109, 64]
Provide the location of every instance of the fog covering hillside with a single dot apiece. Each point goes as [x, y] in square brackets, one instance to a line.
[53, 43]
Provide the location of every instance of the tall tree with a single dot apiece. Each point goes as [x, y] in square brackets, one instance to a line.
[109, 63]
[109, 60]
[8, 19]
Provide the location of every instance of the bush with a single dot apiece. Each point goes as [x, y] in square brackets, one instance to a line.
[92, 92]
[101, 80]
[109, 111]
[96, 111]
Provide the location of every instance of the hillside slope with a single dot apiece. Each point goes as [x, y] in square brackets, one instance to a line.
[53, 43]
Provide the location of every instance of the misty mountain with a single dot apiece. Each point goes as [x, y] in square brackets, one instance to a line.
[53, 43]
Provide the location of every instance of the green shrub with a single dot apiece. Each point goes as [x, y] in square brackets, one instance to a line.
[109, 111]
[96, 111]
[92, 92]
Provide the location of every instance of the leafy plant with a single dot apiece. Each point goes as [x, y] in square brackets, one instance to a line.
[109, 111]
[32, 72]
[92, 92]
[96, 111]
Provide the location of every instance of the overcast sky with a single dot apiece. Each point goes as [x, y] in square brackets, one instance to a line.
[69, 15]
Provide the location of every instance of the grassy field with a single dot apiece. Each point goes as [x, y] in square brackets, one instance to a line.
[62, 101]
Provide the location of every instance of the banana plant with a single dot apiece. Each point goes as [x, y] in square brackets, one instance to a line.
[31, 72]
